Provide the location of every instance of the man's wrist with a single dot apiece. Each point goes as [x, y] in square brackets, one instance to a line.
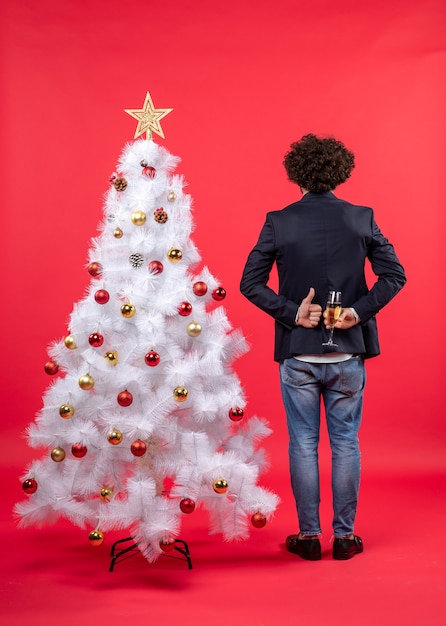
[355, 315]
[297, 317]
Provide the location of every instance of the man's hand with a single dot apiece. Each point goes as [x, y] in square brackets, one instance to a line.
[346, 320]
[309, 313]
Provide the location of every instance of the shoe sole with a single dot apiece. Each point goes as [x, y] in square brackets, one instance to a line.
[307, 557]
[311, 558]
[345, 556]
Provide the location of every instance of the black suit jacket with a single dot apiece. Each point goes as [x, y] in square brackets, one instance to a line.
[322, 242]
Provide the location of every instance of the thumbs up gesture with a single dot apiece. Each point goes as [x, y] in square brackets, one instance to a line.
[309, 313]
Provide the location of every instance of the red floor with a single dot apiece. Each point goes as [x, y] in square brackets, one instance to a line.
[53, 575]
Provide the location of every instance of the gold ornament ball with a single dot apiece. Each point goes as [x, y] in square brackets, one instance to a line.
[139, 218]
[70, 342]
[117, 233]
[114, 437]
[58, 454]
[128, 310]
[171, 196]
[175, 255]
[112, 357]
[193, 329]
[86, 382]
[106, 494]
[180, 394]
[96, 537]
[220, 485]
[66, 411]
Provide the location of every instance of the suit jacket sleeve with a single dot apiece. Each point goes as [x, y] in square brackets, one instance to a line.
[256, 275]
[390, 273]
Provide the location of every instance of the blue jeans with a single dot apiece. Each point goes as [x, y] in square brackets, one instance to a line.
[341, 387]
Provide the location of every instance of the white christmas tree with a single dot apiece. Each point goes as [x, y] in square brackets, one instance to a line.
[145, 417]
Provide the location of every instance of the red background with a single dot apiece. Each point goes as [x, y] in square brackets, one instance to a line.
[245, 79]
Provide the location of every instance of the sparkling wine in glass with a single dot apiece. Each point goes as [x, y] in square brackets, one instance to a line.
[333, 309]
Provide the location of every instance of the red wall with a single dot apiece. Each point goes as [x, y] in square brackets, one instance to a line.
[245, 78]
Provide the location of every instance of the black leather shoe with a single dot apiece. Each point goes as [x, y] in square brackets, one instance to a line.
[309, 549]
[344, 548]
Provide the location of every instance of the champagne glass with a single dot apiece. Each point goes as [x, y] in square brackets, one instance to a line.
[333, 309]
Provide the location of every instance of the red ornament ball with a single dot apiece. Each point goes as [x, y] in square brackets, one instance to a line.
[125, 398]
[258, 520]
[219, 294]
[185, 309]
[78, 450]
[152, 358]
[167, 544]
[102, 296]
[51, 368]
[236, 414]
[155, 267]
[29, 485]
[138, 448]
[96, 340]
[149, 171]
[95, 269]
[187, 505]
[200, 288]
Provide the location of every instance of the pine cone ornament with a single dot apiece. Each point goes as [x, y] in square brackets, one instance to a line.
[120, 184]
[136, 260]
[160, 216]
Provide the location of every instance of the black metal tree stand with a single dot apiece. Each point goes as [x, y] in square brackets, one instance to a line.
[131, 549]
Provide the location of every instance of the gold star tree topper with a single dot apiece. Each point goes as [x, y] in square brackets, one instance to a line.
[148, 118]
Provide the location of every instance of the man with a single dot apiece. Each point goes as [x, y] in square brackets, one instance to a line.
[318, 244]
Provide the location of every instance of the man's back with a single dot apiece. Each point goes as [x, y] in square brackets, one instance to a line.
[325, 240]
[322, 242]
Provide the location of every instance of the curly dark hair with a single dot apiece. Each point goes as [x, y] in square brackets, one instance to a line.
[318, 164]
